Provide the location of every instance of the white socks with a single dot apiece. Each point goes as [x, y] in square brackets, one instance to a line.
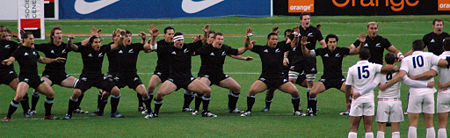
[369, 135]
[412, 132]
[352, 135]
[395, 134]
[431, 133]
[380, 134]
[442, 133]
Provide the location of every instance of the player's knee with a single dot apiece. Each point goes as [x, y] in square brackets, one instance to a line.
[76, 93]
[115, 91]
[310, 77]
[236, 89]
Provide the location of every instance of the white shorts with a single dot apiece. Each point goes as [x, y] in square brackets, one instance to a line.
[443, 101]
[293, 74]
[362, 107]
[389, 110]
[421, 104]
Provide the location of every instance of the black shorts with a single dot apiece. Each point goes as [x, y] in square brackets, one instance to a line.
[100, 82]
[215, 78]
[131, 80]
[7, 76]
[332, 83]
[301, 78]
[32, 80]
[55, 77]
[273, 83]
[163, 76]
[181, 82]
[307, 66]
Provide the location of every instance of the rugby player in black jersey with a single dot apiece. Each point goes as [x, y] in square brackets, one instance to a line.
[272, 75]
[28, 57]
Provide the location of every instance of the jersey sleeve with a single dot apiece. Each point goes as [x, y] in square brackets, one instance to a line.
[426, 40]
[349, 79]
[257, 49]
[434, 59]
[319, 35]
[40, 47]
[356, 43]
[16, 54]
[345, 51]
[385, 43]
[320, 51]
[231, 51]
[139, 46]
[404, 65]
[106, 48]
[377, 67]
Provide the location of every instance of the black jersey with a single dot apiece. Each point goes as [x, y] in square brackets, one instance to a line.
[332, 61]
[7, 48]
[213, 58]
[113, 60]
[93, 60]
[52, 51]
[313, 35]
[27, 58]
[180, 60]
[128, 57]
[163, 58]
[376, 47]
[434, 42]
[272, 60]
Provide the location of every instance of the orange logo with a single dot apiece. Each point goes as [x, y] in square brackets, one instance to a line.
[443, 5]
[296, 6]
[395, 6]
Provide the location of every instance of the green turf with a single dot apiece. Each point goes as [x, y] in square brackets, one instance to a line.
[279, 122]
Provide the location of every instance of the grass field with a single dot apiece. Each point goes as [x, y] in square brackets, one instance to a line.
[279, 122]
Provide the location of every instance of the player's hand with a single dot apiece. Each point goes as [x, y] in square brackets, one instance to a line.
[196, 38]
[95, 31]
[362, 37]
[206, 28]
[249, 32]
[431, 84]
[7, 62]
[304, 41]
[142, 35]
[70, 37]
[60, 59]
[356, 95]
[154, 30]
[286, 61]
[248, 58]
[297, 29]
[275, 29]
[318, 26]
[382, 86]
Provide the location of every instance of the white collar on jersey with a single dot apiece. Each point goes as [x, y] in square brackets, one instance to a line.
[417, 52]
[363, 61]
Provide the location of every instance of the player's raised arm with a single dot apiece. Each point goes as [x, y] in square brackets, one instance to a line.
[151, 43]
[361, 39]
[94, 32]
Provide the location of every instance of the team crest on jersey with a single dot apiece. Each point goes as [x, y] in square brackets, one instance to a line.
[262, 79]
[432, 41]
[11, 72]
[338, 55]
[174, 53]
[64, 51]
[366, 45]
[277, 50]
[100, 55]
[120, 52]
[223, 53]
[293, 49]
[131, 51]
[90, 55]
[212, 54]
[186, 51]
[266, 51]
[53, 51]
[26, 54]
[34, 53]
[26, 80]
[136, 78]
[84, 79]
[7, 46]
[378, 45]
[310, 35]
[326, 55]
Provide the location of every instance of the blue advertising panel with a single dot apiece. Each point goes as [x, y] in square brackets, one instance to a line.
[121, 9]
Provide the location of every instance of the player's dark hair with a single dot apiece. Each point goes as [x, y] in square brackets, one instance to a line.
[177, 34]
[390, 58]
[25, 35]
[304, 14]
[447, 44]
[364, 54]
[418, 45]
[91, 40]
[288, 31]
[438, 20]
[128, 32]
[268, 36]
[52, 32]
[331, 36]
[168, 28]
[210, 32]
[218, 33]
